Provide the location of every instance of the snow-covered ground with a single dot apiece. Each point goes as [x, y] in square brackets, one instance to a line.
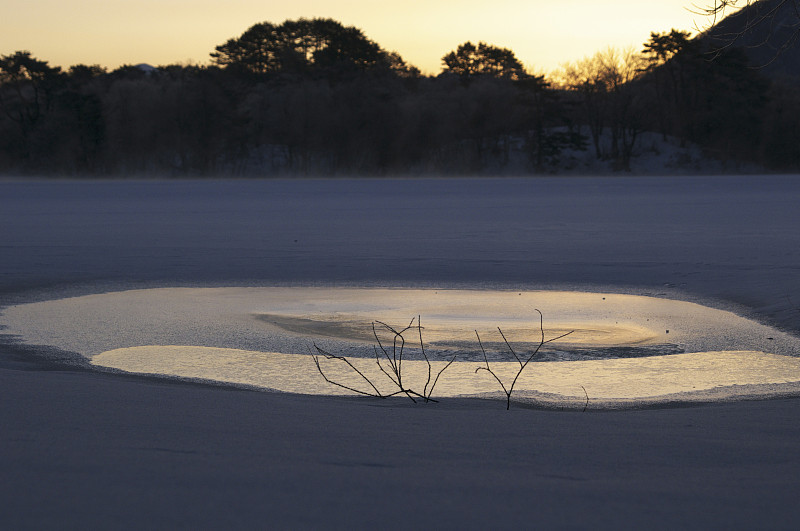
[85, 448]
[653, 154]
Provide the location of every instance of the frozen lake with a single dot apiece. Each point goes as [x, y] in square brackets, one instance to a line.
[730, 243]
[155, 453]
[733, 240]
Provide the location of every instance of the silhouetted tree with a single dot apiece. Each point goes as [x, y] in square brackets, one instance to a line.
[585, 79]
[729, 98]
[780, 147]
[546, 130]
[78, 136]
[670, 60]
[134, 113]
[83, 74]
[610, 102]
[304, 45]
[484, 59]
[27, 86]
[491, 119]
[315, 97]
[621, 69]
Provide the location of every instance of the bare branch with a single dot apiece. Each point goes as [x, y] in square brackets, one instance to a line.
[587, 398]
[378, 361]
[428, 397]
[330, 356]
[488, 369]
[509, 345]
[396, 359]
[755, 15]
[393, 369]
[422, 346]
[375, 333]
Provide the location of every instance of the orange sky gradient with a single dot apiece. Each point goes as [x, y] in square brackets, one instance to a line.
[543, 33]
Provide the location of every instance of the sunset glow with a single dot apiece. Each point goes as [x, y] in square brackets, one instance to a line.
[543, 34]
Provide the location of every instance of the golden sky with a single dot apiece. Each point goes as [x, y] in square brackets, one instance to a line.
[542, 33]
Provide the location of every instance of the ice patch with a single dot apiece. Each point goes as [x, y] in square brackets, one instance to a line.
[607, 384]
[625, 348]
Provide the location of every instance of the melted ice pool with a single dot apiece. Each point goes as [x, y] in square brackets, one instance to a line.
[625, 349]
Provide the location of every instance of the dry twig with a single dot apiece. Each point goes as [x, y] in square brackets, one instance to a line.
[522, 364]
[390, 362]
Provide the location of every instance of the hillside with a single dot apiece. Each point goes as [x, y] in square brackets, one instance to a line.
[768, 31]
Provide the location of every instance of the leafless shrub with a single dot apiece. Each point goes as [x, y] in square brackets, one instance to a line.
[522, 364]
[390, 362]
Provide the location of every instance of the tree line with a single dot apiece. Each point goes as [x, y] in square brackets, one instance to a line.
[315, 97]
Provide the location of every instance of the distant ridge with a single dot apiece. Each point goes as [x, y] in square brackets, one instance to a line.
[144, 67]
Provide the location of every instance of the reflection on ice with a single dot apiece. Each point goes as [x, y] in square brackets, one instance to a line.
[447, 337]
[609, 383]
[625, 348]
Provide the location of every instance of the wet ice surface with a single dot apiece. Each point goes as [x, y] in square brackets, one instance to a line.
[727, 238]
[731, 241]
[619, 383]
[620, 346]
[340, 318]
